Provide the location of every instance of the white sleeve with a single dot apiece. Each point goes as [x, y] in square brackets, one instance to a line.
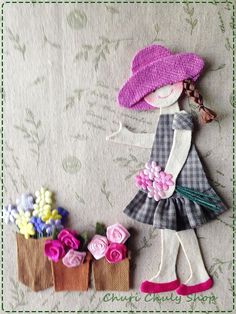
[124, 136]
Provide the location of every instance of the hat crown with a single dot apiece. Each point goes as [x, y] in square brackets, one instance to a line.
[148, 55]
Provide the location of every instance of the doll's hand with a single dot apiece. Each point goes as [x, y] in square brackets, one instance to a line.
[117, 135]
[125, 136]
[169, 192]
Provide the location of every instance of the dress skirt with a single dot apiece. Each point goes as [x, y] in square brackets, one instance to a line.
[176, 212]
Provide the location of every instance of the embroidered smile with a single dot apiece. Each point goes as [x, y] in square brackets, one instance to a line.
[162, 97]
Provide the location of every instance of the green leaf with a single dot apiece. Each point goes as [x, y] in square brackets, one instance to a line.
[194, 22]
[230, 266]
[185, 10]
[112, 10]
[188, 21]
[84, 236]
[54, 234]
[117, 44]
[133, 157]
[30, 113]
[100, 229]
[191, 11]
[84, 239]
[79, 55]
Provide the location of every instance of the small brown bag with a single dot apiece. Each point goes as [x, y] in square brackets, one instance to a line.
[34, 269]
[113, 277]
[71, 279]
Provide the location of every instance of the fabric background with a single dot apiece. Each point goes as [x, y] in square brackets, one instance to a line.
[63, 65]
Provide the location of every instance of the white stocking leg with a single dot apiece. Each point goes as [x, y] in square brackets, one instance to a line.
[169, 252]
[190, 246]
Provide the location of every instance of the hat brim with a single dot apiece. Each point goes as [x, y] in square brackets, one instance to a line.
[169, 70]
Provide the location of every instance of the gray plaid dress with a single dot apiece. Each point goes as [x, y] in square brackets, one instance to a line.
[176, 212]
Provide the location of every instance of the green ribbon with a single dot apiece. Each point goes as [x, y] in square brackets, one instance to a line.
[206, 200]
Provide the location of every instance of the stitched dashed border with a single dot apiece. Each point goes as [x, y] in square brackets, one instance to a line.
[232, 4]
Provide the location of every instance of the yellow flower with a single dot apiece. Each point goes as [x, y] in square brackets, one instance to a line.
[48, 214]
[27, 229]
[22, 217]
[40, 211]
[43, 202]
[22, 221]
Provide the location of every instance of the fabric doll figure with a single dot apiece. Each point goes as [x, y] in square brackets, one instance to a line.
[174, 194]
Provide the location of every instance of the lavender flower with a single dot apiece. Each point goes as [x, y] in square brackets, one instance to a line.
[38, 224]
[25, 202]
[53, 225]
[9, 213]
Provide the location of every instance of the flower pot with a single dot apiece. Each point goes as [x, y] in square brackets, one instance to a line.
[113, 277]
[34, 269]
[71, 279]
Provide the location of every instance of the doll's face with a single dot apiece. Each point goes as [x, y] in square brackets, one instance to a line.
[165, 96]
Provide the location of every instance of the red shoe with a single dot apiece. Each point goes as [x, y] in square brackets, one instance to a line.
[154, 287]
[185, 289]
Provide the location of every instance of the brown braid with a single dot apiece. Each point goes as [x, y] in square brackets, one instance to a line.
[206, 115]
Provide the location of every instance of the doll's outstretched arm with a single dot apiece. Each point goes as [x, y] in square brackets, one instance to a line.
[178, 155]
[124, 136]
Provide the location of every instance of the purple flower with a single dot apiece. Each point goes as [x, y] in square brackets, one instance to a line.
[53, 225]
[9, 213]
[25, 202]
[63, 212]
[38, 224]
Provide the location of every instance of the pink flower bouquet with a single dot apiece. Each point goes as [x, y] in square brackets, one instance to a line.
[112, 246]
[66, 248]
[69, 260]
[111, 262]
[153, 180]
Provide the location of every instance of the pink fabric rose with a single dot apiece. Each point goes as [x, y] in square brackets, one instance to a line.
[97, 246]
[117, 233]
[54, 250]
[115, 253]
[73, 258]
[67, 237]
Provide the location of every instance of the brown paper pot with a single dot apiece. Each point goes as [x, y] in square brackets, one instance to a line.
[113, 277]
[34, 269]
[71, 279]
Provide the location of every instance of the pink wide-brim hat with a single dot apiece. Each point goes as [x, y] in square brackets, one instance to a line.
[153, 67]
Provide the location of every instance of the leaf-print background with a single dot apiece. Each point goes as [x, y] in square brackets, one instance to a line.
[63, 65]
